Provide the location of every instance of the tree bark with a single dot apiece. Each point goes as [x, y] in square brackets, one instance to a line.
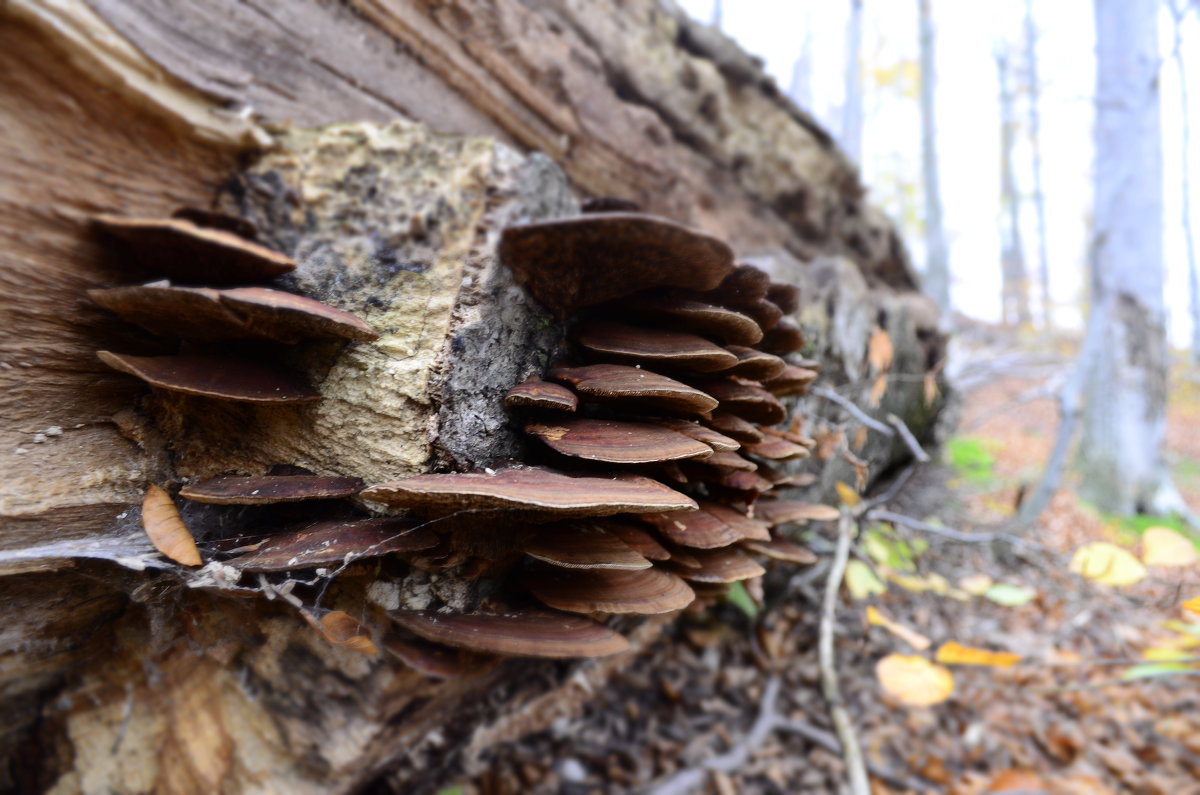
[384, 144]
[937, 264]
[1120, 454]
[1015, 278]
[1035, 143]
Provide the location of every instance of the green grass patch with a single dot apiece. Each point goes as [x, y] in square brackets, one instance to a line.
[972, 459]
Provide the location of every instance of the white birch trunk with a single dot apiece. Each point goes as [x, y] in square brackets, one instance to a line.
[937, 266]
[1035, 141]
[1014, 277]
[1178, 11]
[852, 108]
[1120, 454]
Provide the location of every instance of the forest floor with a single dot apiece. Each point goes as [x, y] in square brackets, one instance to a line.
[1095, 705]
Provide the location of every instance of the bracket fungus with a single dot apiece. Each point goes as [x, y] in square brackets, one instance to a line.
[671, 391]
[267, 489]
[190, 253]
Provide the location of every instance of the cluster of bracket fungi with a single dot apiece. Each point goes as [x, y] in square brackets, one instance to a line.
[654, 436]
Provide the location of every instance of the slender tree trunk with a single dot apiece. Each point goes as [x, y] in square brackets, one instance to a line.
[937, 266]
[1035, 141]
[1120, 454]
[1013, 271]
[852, 109]
[1178, 10]
[717, 14]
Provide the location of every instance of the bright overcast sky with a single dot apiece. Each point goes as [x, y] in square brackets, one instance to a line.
[968, 34]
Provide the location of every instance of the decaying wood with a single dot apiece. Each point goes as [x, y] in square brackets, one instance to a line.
[117, 676]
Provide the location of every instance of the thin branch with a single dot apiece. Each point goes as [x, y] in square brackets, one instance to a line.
[851, 751]
[692, 779]
[953, 535]
[909, 440]
[854, 411]
[830, 743]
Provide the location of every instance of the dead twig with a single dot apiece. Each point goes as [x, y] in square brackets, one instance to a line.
[856, 772]
[853, 410]
[692, 779]
[950, 533]
[909, 440]
[830, 743]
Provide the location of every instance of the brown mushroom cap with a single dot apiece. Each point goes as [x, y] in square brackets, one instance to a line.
[537, 490]
[784, 479]
[754, 364]
[558, 261]
[187, 312]
[735, 427]
[746, 401]
[288, 317]
[241, 313]
[784, 296]
[190, 253]
[267, 489]
[645, 592]
[435, 660]
[698, 317]
[620, 382]
[784, 511]
[784, 337]
[617, 442]
[335, 542]
[717, 441]
[653, 347]
[765, 313]
[235, 224]
[519, 634]
[723, 565]
[220, 377]
[583, 545]
[713, 525]
[534, 393]
[782, 549]
[637, 539]
[776, 449]
[731, 461]
[744, 285]
[792, 380]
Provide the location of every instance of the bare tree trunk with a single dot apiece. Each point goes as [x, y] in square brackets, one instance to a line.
[1035, 141]
[851, 138]
[937, 265]
[1015, 279]
[1178, 11]
[800, 88]
[1120, 454]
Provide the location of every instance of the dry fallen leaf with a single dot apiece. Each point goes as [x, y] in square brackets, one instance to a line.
[1192, 605]
[878, 389]
[340, 629]
[976, 584]
[848, 495]
[1162, 546]
[931, 389]
[913, 680]
[953, 653]
[1017, 781]
[861, 582]
[879, 351]
[1107, 564]
[165, 527]
[876, 618]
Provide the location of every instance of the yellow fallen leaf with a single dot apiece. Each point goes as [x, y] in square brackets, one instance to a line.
[1162, 546]
[1165, 653]
[848, 495]
[953, 653]
[913, 680]
[976, 584]
[917, 584]
[1107, 564]
[1192, 605]
[165, 527]
[861, 582]
[876, 618]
